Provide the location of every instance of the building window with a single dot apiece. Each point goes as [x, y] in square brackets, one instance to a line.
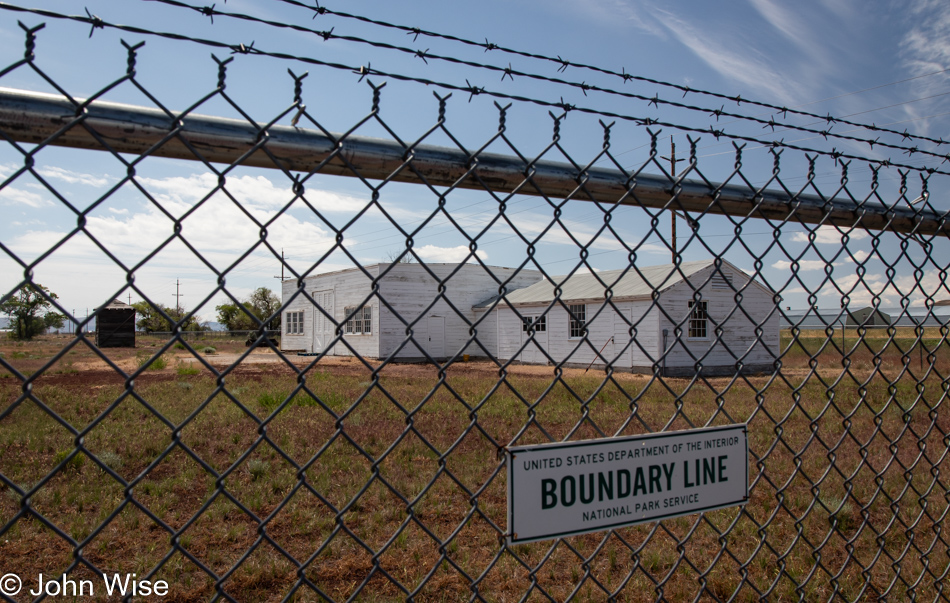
[697, 320]
[536, 324]
[293, 323]
[361, 323]
[578, 320]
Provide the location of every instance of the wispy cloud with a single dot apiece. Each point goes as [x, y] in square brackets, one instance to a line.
[17, 196]
[785, 18]
[58, 173]
[733, 58]
[925, 49]
[617, 14]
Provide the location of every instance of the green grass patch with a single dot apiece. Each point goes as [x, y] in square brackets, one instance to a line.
[187, 369]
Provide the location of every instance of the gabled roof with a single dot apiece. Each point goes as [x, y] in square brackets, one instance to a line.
[117, 305]
[585, 286]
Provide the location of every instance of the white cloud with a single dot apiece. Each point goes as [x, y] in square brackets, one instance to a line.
[803, 265]
[218, 229]
[11, 195]
[859, 256]
[830, 235]
[862, 291]
[58, 173]
[131, 228]
[891, 293]
[931, 285]
[448, 255]
[809, 265]
[254, 191]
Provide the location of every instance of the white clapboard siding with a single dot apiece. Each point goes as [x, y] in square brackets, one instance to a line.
[607, 334]
[414, 303]
[297, 342]
[600, 335]
[349, 288]
[410, 290]
[643, 321]
[738, 341]
[487, 333]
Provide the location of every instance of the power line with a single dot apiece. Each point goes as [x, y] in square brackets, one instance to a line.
[563, 64]
[472, 90]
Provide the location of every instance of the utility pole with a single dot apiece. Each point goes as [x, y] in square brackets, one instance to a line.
[130, 299]
[281, 277]
[673, 161]
[178, 299]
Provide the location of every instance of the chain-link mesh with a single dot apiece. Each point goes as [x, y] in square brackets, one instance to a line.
[347, 444]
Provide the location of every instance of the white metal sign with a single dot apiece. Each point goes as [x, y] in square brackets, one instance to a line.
[570, 488]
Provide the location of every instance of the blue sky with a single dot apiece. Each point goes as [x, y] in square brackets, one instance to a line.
[878, 62]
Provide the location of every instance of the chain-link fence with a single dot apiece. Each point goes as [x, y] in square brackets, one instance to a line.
[429, 319]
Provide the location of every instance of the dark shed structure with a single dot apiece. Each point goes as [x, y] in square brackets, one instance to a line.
[868, 317]
[115, 326]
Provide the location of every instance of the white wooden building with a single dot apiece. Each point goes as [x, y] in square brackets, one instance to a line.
[673, 335]
[406, 293]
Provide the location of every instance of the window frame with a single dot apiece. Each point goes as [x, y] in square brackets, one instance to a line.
[697, 321]
[293, 322]
[538, 323]
[576, 329]
[361, 322]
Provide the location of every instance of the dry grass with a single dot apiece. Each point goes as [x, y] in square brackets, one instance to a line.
[847, 478]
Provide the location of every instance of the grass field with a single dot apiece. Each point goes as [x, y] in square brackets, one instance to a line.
[389, 483]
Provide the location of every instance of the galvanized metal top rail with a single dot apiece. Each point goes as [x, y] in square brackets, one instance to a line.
[33, 117]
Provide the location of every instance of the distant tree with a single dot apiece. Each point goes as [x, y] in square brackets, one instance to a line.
[29, 311]
[393, 258]
[150, 318]
[265, 302]
[53, 320]
[235, 317]
[260, 305]
[190, 324]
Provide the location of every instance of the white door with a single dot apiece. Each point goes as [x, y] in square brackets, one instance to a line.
[532, 352]
[323, 328]
[436, 347]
